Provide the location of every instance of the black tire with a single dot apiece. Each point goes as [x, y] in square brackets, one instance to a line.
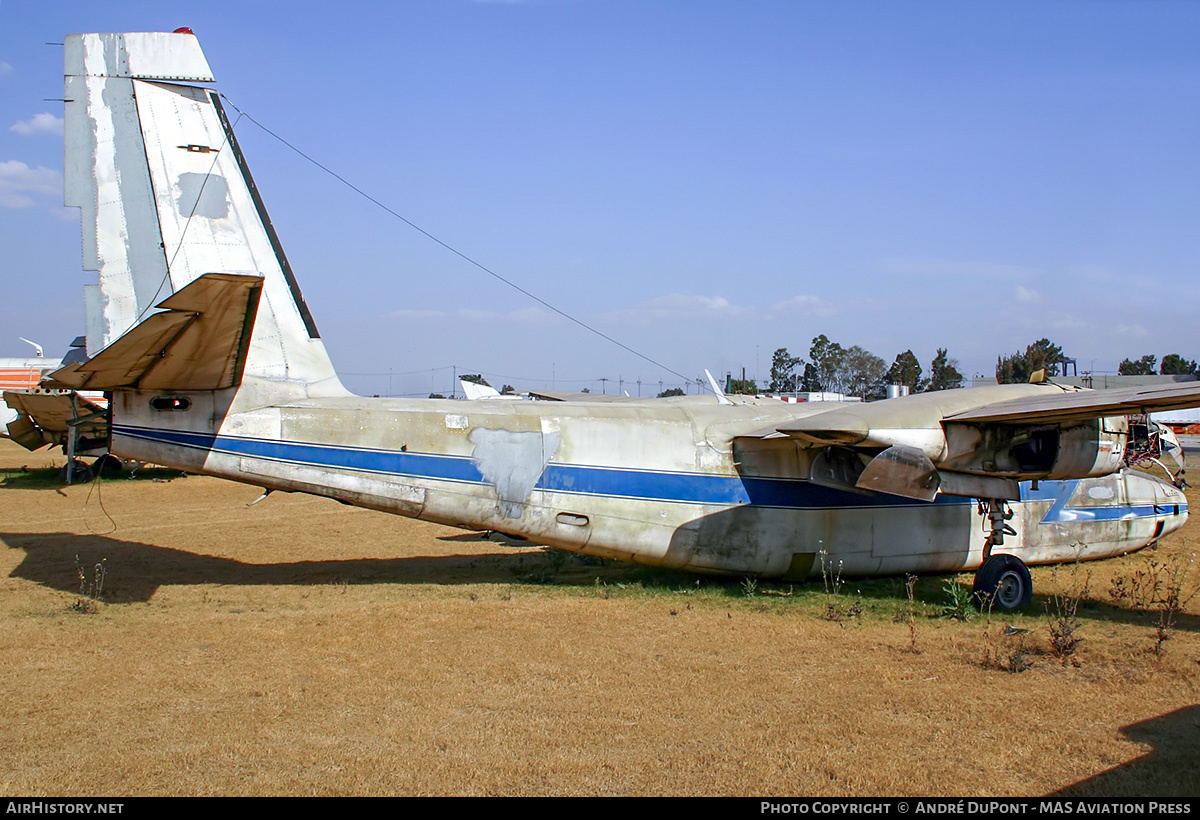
[1003, 582]
[77, 472]
[107, 465]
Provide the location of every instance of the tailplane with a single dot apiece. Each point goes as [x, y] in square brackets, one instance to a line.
[166, 198]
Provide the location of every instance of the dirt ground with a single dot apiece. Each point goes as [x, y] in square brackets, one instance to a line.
[298, 646]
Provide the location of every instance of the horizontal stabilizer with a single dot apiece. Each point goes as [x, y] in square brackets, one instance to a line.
[198, 343]
[55, 412]
[1086, 404]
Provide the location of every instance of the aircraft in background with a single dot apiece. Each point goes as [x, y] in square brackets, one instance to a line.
[26, 372]
[36, 414]
[19, 373]
[476, 390]
[229, 377]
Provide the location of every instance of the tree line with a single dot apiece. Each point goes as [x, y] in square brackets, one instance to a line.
[858, 372]
[1044, 354]
[831, 368]
[1172, 365]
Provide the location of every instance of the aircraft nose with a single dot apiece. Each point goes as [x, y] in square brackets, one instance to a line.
[1169, 503]
[1179, 516]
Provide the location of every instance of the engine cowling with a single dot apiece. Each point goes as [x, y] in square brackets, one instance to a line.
[1076, 450]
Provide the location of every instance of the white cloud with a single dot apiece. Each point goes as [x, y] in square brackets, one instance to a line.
[1133, 331]
[5, 69]
[680, 306]
[44, 123]
[19, 182]
[1027, 296]
[803, 305]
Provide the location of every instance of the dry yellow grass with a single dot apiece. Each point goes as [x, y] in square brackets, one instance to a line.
[302, 647]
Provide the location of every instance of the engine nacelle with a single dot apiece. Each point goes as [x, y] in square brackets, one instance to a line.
[1073, 450]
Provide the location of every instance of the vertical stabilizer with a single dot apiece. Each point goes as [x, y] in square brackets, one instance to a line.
[167, 197]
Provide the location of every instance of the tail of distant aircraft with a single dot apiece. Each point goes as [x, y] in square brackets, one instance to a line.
[172, 219]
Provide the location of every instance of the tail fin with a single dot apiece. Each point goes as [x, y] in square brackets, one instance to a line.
[166, 197]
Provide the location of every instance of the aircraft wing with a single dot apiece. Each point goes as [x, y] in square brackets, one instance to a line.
[567, 395]
[854, 424]
[1086, 404]
[975, 442]
[199, 342]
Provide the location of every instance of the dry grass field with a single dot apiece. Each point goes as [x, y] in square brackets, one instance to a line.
[303, 647]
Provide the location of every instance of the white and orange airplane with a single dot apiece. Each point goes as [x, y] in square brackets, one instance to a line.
[35, 415]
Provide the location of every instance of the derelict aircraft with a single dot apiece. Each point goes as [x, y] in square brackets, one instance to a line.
[227, 376]
[34, 416]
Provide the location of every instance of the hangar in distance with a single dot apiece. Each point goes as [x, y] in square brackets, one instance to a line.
[228, 376]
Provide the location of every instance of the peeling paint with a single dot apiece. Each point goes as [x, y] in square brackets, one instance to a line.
[512, 463]
[203, 195]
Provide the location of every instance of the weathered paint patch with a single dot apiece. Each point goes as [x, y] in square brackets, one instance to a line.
[512, 463]
[203, 195]
[456, 422]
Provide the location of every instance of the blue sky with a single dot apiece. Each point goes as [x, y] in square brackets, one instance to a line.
[703, 181]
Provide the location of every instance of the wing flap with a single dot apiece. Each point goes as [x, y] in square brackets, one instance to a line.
[903, 471]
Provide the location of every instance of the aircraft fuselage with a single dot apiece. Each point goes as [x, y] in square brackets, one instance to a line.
[666, 483]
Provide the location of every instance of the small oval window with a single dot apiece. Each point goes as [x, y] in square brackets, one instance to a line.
[170, 402]
[573, 519]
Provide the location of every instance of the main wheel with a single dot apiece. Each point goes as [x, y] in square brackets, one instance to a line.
[1003, 581]
[107, 465]
[76, 471]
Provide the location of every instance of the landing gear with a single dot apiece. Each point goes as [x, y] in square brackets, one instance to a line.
[1003, 581]
[999, 514]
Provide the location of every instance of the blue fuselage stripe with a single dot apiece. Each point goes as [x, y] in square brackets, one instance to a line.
[677, 487]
